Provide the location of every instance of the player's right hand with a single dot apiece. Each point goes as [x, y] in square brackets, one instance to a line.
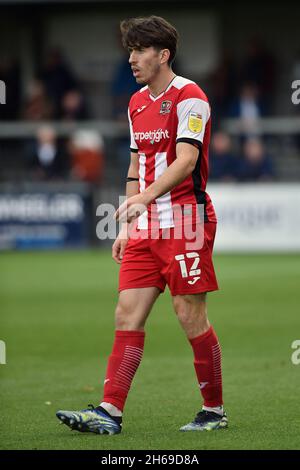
[118, 249]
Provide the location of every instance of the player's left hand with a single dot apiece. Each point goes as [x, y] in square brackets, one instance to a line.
[132, 208]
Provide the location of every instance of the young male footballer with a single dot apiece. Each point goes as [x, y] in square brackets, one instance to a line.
[170, 121]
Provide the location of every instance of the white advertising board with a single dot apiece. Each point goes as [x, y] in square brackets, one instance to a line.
[257, 217]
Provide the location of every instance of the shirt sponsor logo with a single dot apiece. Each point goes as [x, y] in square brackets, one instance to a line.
[153, 136]
[165, 107]
[195, 122]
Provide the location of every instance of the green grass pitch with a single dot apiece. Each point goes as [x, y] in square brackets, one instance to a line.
[57, 319]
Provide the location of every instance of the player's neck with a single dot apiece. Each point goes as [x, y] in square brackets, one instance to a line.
[161, 83]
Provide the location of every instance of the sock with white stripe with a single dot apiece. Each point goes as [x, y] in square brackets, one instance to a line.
[207, 362]
[122, 365]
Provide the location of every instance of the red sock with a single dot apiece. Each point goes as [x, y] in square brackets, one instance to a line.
[122, 365]
[207, 362]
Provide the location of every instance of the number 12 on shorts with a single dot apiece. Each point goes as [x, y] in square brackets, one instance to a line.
[194, 271]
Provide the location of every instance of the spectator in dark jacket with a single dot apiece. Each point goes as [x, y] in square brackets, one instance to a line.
[58, 78]
[48, 158]
[223, 163]
[255, 165]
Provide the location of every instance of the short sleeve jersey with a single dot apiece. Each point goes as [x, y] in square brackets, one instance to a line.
[180, 114]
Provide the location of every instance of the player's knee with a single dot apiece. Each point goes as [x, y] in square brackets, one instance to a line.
[126, 318]
[179, 304]
[121, 316]
[183, 307]
[188, 311]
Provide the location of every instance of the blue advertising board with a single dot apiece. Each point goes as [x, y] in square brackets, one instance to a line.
[48, 218]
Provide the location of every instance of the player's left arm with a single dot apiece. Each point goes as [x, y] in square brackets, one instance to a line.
[182, 167]
[178, 171]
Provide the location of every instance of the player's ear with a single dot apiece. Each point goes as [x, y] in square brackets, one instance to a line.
[164, 55]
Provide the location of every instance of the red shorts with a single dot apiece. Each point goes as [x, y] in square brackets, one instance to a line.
[187, 268]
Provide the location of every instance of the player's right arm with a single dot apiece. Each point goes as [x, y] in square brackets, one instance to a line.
[132, 188]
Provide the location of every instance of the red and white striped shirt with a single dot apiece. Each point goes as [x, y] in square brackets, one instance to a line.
[180, 114]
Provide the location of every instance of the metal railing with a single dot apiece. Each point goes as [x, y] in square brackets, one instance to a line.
[25, 129]
[283, 125]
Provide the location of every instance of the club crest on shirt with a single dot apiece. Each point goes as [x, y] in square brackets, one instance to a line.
[165, 107]
[195, 122]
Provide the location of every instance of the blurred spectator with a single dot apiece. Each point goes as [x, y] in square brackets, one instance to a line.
[255, 165]
[223, 163]
[73, 107]
[248, 104]
[123, 83]
[87, 156]
[47, 157]
[249, 108]
[57, 77]
[37, 106]
[10, 74]
[222, 85]
[123, 86]
[259, 68]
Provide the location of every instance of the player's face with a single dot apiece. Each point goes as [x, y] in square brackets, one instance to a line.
[145, 64]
